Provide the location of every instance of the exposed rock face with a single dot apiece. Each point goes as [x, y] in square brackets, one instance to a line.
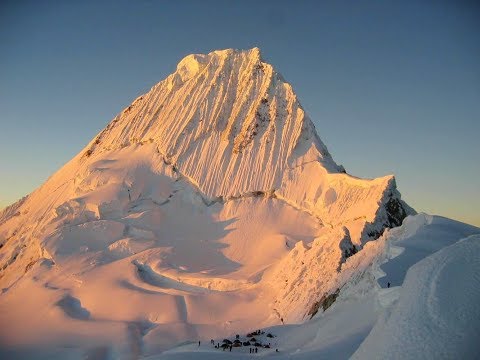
[325, 302]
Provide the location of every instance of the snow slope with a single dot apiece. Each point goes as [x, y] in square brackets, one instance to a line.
[207, 206]
[432, 314]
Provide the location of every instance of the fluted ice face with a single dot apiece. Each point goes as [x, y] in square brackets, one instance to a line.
[227, 120]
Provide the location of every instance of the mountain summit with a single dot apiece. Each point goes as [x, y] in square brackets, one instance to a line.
[208, 196]
[227, 119]
[231, 124]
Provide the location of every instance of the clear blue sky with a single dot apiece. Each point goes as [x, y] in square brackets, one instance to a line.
[392, 86]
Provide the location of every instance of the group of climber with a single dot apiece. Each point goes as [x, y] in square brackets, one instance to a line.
[251, 342]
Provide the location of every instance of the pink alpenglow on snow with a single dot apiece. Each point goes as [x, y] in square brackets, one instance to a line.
[207, 208]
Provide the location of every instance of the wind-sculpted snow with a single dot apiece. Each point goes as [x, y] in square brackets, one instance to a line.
[437, 315]
[445, 231]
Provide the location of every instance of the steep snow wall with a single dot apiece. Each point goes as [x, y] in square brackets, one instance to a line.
[227, 120]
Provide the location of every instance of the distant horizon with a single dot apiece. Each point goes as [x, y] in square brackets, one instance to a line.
[392, 89]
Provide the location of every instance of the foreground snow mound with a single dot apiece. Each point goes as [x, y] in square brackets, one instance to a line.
[431, 314]
[437, 315]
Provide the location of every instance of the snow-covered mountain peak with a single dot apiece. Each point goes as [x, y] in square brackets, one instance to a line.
[229, 124]
[211, 191]
[223, 113]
